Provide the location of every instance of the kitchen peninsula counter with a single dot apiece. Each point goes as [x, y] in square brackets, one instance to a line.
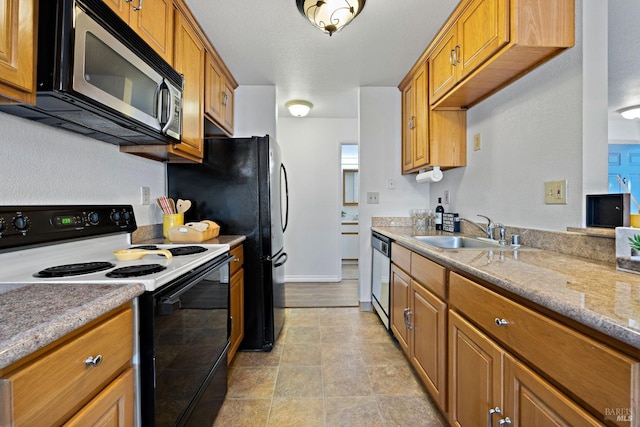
[35, 315]
[574, 289]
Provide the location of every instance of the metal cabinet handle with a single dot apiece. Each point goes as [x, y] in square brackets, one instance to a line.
[451, 61]
[409, 325]
[456, 52]
[93, 361]
[492, 411]
[139, 7]
[406, 319]
[504, 421]
[501, 322]
[412, 122]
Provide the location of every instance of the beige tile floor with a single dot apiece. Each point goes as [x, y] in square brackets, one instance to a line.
[330, 367]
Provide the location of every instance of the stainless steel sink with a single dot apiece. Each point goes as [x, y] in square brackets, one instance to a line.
[461, 242]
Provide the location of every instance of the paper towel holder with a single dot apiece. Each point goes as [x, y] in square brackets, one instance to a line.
[433, 175]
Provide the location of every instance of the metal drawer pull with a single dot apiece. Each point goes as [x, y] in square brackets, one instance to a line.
[501, 322]
[504, 421]
[93, 361]
[492, 411]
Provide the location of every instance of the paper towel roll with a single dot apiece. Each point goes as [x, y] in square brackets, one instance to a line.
[433, 175]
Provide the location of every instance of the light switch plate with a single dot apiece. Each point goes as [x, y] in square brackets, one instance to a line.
[555, 192]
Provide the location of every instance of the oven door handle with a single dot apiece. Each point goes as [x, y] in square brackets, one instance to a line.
[168, 303]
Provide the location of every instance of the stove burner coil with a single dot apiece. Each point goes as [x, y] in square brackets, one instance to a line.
[74, 269]
[135, 270]
[177, 251]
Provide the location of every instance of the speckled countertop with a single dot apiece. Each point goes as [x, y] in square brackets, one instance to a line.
[34, 315]
[592, 293]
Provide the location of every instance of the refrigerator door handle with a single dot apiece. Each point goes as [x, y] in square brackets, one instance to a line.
[286, 190]
[278, 263]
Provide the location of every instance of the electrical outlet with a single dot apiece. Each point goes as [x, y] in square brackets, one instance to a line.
[445, 199]
[145, 195]
[477, 142]
[391, 184]
[372, 198]
[555, 192]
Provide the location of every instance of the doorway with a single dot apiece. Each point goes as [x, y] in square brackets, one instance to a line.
[349, 224]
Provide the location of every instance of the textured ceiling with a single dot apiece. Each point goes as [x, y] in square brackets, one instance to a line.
[268, 42]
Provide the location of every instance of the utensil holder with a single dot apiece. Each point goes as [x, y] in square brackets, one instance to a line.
[169, 221]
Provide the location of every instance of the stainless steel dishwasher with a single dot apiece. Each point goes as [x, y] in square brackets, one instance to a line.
[380, 275]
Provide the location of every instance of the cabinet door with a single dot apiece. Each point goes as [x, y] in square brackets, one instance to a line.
[531, 401]
[189, 60]
[442, 74]
[228, 107]
[236, 310]
[428, 344]
[474, 374]
[17, 50]
[421, 138]
[112, 407]
[483, 28]
[121, 7]
[408, 127]
[214, 90]
[400, 284]
[154, 23]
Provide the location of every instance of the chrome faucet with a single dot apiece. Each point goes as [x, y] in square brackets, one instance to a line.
[502, 233]
[487, 231]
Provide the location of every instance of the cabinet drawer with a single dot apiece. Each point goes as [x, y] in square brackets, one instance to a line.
[595, 373]
[429, 274]
[401, 257]
[238, 260]
[54, 386]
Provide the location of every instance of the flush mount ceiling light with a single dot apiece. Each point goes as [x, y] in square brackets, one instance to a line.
[298, 107]
[330, 15]
[630, 112]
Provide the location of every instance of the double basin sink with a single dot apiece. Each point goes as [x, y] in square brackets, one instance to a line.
[462, 242]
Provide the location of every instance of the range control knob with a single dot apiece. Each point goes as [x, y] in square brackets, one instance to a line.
[94, 218]
[21, 223]
[126, 215]
[3, 225]
[115, 216]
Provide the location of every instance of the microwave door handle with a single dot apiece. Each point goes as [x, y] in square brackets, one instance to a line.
[169, 108]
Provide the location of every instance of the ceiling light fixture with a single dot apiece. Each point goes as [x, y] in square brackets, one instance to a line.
[630, 113]
[298, 107]
[330, 15]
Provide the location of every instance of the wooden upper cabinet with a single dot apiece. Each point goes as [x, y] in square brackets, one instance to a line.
[18, 51]
[487, 44]
[189, 60]
[415, 121]
[150, 19]
[219, 91]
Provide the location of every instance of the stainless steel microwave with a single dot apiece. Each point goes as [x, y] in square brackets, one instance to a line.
[97, 77]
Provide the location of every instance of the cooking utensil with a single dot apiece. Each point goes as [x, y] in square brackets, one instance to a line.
[183, 205]
[133, 254]
[163, 202]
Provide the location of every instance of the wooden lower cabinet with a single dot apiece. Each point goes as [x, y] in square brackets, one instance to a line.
[488, 386]
[418, 321]
[57, 384]
[236, 298]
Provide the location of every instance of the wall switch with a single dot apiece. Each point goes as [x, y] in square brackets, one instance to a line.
[391, 184]
[445, 199]
[145, 195]
[555, 192]
[372, 198]
[477, 142]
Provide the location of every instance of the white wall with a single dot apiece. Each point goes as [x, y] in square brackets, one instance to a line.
[534, 131]
[45, 165]
[380, 158]
[311, 154]
[254, 111]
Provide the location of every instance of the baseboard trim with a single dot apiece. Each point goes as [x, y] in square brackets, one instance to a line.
[321, 279]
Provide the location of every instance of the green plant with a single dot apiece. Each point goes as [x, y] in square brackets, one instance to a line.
[634, 242]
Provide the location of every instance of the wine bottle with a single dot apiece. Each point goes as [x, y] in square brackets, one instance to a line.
[439, 212]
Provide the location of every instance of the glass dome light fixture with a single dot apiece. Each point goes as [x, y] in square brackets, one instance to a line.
[330, 16]
[298, 107]
[630, 113]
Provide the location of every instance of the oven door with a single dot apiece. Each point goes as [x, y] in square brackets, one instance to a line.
[184, 339]
[106, 71]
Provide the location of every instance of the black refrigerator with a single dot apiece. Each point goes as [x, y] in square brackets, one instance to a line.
[242, 186]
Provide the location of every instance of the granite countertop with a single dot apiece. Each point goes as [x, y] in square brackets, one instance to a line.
[231, 240]
[34, 315]
[592, 293]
